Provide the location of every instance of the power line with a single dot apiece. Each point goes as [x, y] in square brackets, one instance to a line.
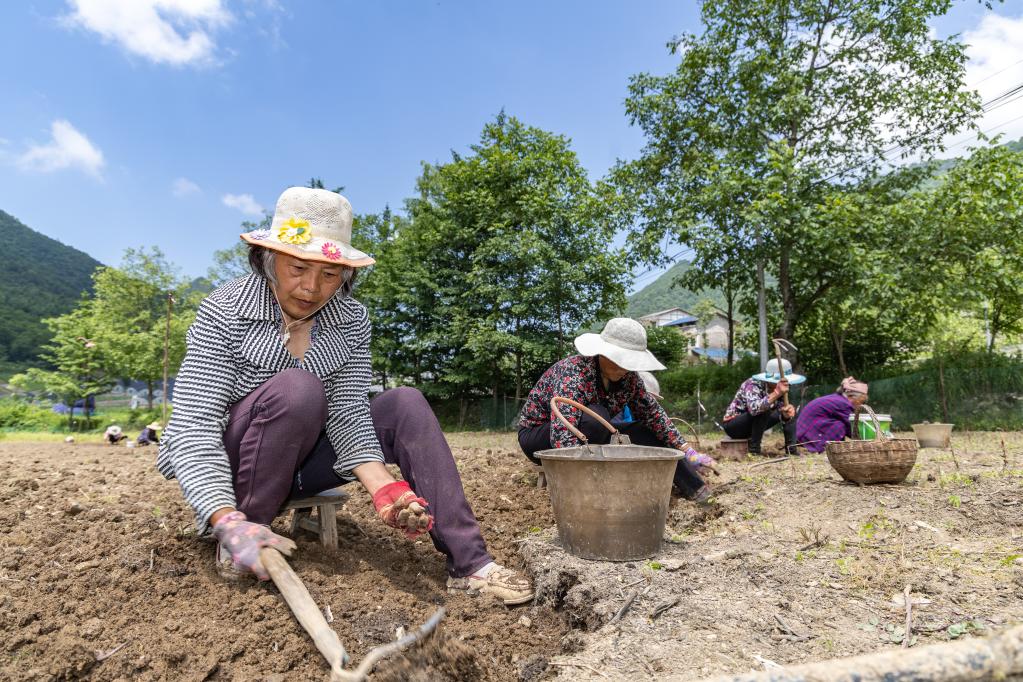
[654, 271]
[982, 80]
[995, 103]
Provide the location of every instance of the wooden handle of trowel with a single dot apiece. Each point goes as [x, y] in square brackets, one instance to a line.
[304, 608]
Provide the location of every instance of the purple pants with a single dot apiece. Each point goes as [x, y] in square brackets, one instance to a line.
[279, 451]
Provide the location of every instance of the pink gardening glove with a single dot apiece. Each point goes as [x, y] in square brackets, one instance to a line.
[243, 539]
[702, 463]
[399, 507]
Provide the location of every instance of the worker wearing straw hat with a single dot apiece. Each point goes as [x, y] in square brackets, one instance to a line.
[271, 404]
[604, 376]
[150, 434]
[758, 405]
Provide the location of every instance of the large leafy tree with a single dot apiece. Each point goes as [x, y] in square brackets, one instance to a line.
[506, 256]
[130, 315]
[775, 106]
[976, 223]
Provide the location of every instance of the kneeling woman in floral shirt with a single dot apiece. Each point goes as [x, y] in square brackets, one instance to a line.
[604, 377]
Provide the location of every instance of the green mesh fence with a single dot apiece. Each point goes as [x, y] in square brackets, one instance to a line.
[976, 398]
[981, 393]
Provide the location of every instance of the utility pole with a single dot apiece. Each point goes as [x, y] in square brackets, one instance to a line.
[761, 315]
[166, 354]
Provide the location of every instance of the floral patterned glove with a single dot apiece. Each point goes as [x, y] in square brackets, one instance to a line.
[702, 463]
[399, 508]
[243, 539]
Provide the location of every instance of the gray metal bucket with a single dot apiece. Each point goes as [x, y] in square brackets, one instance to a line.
[610, 501]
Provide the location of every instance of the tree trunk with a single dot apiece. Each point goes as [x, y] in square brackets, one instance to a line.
[788, 300]
[461, 412]
[761, 314]
[730, 303]
[941, 388]
[518, 376]
[149, 387]
[996, 322]
[838, 339]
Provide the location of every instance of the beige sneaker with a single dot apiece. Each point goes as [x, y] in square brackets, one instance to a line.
[504, 584]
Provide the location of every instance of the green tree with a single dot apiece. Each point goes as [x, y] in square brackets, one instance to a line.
[667, 344]
[772, 108]
[502, 258]
[81, 361]
[976, 221]
[129, 312]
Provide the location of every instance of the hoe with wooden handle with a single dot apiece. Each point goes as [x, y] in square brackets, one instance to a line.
[778, 345]
[326, 640]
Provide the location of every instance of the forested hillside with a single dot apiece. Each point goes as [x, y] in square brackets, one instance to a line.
[661, 295]
[39, 278]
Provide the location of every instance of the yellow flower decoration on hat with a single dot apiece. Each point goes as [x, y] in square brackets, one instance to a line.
[294, 231]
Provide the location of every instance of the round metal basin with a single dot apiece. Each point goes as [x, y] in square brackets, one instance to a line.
[610, 501]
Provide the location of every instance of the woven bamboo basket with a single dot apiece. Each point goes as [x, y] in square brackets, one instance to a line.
[882, 460]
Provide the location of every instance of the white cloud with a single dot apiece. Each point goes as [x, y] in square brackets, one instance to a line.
[183, 187]
[995, 66]
[243, 202]
[68, 148]
[177, 32]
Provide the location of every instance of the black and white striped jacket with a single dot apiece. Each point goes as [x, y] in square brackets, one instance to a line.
[234, 346]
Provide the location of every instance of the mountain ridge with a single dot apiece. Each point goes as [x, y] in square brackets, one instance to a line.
[40, 277]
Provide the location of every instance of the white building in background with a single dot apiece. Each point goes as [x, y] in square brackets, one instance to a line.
[708, 340]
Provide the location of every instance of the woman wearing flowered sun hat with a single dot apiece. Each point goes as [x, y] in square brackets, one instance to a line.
[270, 404]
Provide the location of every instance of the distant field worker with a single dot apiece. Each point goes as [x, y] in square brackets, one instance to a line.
[605, 378]
[113, 435]
[271, 403]
[758, 405]
[150, 434]
[827, 418]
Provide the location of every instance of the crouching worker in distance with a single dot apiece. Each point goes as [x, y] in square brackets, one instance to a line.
[604, 377]
[271, 404]
[758, 405]
[827, 418]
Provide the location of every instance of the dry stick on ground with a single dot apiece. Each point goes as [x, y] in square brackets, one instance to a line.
[955, 460]
[770, 461]
[104, 655]
[791, 634]
[1005, 456]
[625, 607]
[565, 664]
[909, 617]
[664, 606]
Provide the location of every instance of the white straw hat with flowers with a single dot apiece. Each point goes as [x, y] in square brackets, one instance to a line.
[623, 342]
[312, 224]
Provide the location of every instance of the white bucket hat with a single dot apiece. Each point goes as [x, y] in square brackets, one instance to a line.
[650, 383]
[770, 373]
[623, 342]
[312, 224]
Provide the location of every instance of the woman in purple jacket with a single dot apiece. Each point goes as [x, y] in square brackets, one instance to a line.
[827, 418]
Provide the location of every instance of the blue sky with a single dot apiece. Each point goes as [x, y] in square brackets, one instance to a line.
[131, 123]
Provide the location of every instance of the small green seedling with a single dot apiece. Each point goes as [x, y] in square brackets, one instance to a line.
[955, 501]
[957, 630]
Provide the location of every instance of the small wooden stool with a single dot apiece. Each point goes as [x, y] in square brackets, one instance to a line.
[325, 523]
[734, 448]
